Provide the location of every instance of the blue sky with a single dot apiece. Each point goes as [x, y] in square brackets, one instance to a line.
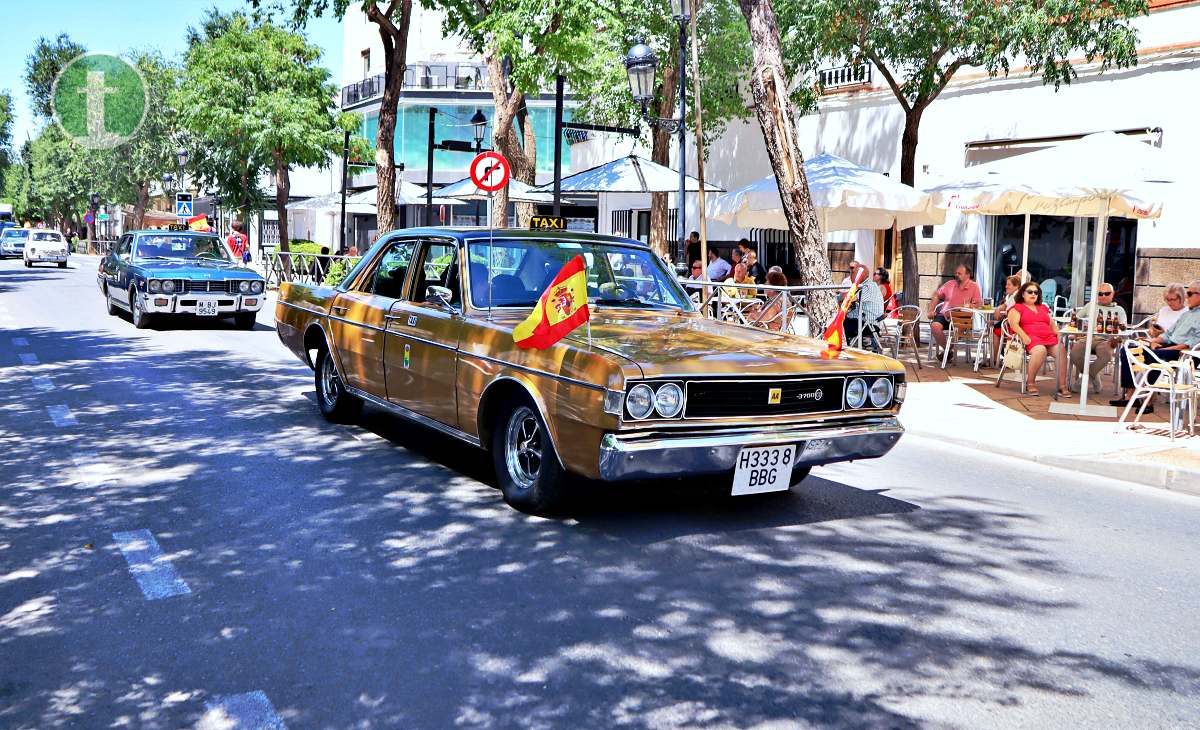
[117, 26]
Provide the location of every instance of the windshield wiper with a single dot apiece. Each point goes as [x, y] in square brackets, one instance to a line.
[632, 302]
[154, 258]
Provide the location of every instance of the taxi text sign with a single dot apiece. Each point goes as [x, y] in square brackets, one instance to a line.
[490, 171]
[548, 222]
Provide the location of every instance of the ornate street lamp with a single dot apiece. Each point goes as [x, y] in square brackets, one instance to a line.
[641, 65]
[478, 127]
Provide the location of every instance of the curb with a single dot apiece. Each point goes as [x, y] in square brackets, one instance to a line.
[1160, 476]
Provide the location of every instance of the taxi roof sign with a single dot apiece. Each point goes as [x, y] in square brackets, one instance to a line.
[547, 222]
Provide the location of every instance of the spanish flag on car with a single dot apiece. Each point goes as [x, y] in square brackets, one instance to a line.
[561, 308]
[198, 223]
[835, 333]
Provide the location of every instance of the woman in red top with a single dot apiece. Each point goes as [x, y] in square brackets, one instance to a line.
[1030, 320]
[889, 297]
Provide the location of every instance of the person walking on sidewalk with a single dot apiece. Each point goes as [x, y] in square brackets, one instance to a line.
[1103, 347]
[1030, 320]
[239, 243]
[1183, 335]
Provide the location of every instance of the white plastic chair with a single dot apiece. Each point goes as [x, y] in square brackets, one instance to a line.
[964, 332]
[1153, 376]
[903, 328]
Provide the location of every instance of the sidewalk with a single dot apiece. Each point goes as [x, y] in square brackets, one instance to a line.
[965, 408]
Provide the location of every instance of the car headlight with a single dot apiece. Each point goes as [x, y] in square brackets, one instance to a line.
[168, 286]
[154, 285]
[256, 287]
[856, 393]
[640, 401]
[244, 287]
[668, 400]
[881, 392]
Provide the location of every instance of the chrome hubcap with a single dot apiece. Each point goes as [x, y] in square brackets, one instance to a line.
[523, 447]
[329, 383]
[137, 307]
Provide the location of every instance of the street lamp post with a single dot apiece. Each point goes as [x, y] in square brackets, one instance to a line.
[641, 66]
[478, 127]
[182, 157]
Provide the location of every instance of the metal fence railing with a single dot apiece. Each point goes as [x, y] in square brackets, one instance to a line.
[776, 308]
[307, 268]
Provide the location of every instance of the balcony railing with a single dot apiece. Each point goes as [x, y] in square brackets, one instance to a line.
[844, 77]
[422, 76]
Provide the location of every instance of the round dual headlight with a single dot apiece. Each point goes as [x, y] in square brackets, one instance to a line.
[640, 401]
[856, 393]
[668, 400]
[244, 287]
[154, 286]
[881, 392]
[256, 287]
[168, 286]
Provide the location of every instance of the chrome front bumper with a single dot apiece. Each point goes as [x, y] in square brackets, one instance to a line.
[227, 304]
[634, 456]
[45, 258]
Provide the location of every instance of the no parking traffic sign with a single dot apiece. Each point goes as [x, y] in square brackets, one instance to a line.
[490, 171]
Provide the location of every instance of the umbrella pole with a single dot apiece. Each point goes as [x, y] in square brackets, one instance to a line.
[1025, 275]
[699, 143]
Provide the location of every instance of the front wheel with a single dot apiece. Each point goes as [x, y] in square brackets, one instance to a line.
[29, 264]
[62, 264]
[137, 311]
[244, 320]
[527, 466]
[109, 304]
[335, 403]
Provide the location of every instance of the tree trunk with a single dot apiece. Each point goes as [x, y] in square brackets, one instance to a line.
[660, 152]
[774, 116]
[519, 150]
[139, 206]
[395, 50]
[528, 166]
[908, 237]
[283, 189]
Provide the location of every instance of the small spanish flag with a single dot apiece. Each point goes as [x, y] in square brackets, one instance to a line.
[561, 308]
[835, 333]
[198, 223]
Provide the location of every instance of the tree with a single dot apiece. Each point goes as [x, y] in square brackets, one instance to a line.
[6, 118]
[919, 46]
[724, 56]
[257, 92]
[392, 19]
[776, 116]
[61, 175]
[42, 68]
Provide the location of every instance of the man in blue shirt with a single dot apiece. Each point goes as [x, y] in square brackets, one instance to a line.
[1183, 335]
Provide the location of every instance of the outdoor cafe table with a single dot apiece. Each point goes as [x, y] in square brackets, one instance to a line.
[985, 314]
[1066, 335]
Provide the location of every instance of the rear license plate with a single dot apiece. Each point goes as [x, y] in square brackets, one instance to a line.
[206, 307]
[764, 469]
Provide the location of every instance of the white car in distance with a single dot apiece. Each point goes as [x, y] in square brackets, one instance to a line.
[44, 246]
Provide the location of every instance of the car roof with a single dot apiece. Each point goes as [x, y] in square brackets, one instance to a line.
[160, 232]
[473, 233]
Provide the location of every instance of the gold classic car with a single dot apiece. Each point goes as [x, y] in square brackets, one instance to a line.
[422, 327]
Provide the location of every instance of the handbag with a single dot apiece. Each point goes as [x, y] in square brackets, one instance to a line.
[1014, 355]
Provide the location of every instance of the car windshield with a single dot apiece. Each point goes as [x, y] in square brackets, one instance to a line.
[16, 233]
[47, 236]
[167, 246]
[618, 275]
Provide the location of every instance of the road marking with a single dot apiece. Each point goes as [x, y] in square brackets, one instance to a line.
[91, 470]
[28, 358]
[62, 416]
[20, 342]
[150, 567]
[42, 383]
[251, 710]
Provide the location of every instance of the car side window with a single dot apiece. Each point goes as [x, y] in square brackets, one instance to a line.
[124, 246]
[439, 267]
[390, 272]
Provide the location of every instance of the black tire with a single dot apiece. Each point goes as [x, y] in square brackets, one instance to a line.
[62, 264]
[109, 304]
[244, 320]
[335, 403]
[527, 467]
[28, 264]
[140, 318]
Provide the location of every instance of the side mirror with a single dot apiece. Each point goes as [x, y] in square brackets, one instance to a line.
[439, 295]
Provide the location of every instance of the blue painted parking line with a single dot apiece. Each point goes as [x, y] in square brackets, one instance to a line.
[150, 567]
[42, 383]
[20, 342]
[249, 711]
[28, 358]
[61, 415]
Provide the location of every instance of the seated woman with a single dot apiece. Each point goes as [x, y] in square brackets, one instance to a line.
[884, 280]
[1011, 284]
[1175, 297]
[1030, 320]
[772, 316]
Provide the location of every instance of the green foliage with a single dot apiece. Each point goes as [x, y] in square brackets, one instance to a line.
[338, 271]
[43, 66]
[6, 119]
[60, 175]
[302, 245]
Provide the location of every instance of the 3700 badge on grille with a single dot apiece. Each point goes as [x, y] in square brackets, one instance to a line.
[764, 469]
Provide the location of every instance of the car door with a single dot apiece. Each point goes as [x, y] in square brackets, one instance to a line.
[424, 334]
[118, 271]
[358, 318]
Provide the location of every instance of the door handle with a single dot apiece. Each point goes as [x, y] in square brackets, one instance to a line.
[337, 308]
[390, 317]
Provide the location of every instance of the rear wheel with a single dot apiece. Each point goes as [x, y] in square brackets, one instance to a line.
[109, 304]
[527, 466]
[137, 311]
[335, 403]
[244, 320]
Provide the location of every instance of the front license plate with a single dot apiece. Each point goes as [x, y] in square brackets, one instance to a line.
[206, 307]
[763, 469]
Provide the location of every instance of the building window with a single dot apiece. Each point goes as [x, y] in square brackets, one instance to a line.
[366, 62]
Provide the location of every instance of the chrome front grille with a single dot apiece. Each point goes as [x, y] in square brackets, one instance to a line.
[769, 397]
[189, 286]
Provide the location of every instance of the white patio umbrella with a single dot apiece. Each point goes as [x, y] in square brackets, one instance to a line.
[630, 174]
[846, 196]
[332, 203]
[1096, 176]
[406, 194]
[466, 189]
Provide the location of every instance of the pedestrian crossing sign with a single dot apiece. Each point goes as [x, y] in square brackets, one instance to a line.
[183, 205]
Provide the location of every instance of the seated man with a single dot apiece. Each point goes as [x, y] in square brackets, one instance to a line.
[718, 268]
[1183, 335]
[1103, 347]
[961, 291]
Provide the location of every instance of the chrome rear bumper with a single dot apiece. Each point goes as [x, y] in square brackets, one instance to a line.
[636, 456]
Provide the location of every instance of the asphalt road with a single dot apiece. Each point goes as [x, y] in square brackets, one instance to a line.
[185, 543]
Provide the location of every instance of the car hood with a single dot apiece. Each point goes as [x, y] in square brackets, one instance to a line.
[687, 345]
[202, 270]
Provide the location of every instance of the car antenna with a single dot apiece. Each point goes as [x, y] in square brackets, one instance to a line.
[489, 266]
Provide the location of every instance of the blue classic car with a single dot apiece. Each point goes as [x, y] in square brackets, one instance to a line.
[152, 273]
